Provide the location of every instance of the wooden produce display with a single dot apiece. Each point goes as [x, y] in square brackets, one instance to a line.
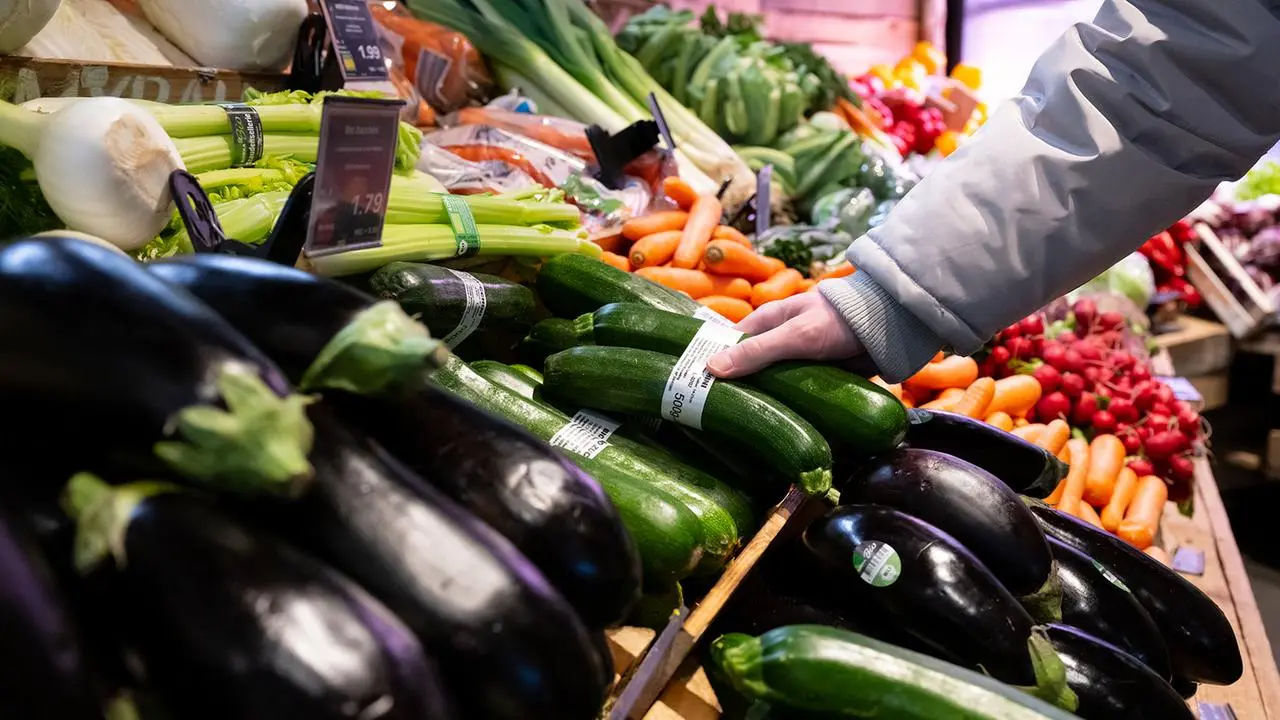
[27, 78]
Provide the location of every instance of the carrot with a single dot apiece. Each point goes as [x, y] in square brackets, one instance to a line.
[615, 260]
[782, 285]
[908, 400]
[1086, 512]
[1063, 455]
[808, 284]
[732, 287]
[693, 282]
[955, 371]
[680, 192]
[1020, 422]
[1029, 432]
[727, 232]
[1106, 457]
[1056, 496]
[945, 400]
[1078, 458]
[1000, 420]
[894, 389]
[1054, 436]
[655, 249]
[1158, 553]
[976, 398]
[725, 257]
[704, 218]
[937, 357]
[638, 227]
[1142, 519]
[611, 242]
[732, 308]
[1126, 486]
[1016, 394]
[842, 270]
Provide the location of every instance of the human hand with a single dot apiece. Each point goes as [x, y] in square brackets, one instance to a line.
[801, 327]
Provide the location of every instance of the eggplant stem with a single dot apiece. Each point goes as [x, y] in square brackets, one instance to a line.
[259, 443]
[380, 349]
[101, 513]
[1050, 673]
[1045, 605]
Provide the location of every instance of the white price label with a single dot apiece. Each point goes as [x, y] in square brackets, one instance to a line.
[472, 313]
[586, 434]
[687, 387]
[707, 314]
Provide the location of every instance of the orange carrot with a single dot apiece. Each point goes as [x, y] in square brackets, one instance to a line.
[808, 284]
[1056, 496]
[782, 285]
[1000, 420]
[725, 257]
[730, 286]
[615, 260]
[680, 192]
[726, 232]
[1020, 421]
[1085, 512]
[611, 242]
[937, 357]
[1078, 458]
[1106, 457]
[1158, 553]
[1029, 432]
[894, 389]
[1054, 436]
[1016, 394]
[976, 398]
[730, 307]
[655, 249]
[704, 218]
[1063, 455]
[955, 371]
[842, 270]
[694, 282]
[945, 400]
[638, 227]
[1126, 486]
[1142, 519]
[908, 400]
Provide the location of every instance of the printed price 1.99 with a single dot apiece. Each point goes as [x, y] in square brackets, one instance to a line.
[369, 52]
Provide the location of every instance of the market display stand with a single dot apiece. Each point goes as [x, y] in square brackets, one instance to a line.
[25, 78]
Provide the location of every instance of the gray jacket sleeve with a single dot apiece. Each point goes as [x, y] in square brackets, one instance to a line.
[1124, 126]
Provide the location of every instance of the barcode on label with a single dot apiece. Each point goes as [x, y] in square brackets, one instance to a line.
[585, 434]
[707, 314]
[472, 312]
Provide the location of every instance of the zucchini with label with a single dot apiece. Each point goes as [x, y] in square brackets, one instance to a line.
[626, 380]
[572, 284]
[823, 672]
[506, 376]
[546, 337]
[1112, 684]
[438, 297]
[1027, 469]
[847, 409]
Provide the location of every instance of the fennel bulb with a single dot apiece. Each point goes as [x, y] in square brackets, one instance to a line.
[231, 34]
[103, 166]
[21, 20]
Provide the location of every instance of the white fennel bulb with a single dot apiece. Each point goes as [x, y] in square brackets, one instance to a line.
[21, 20]
[103, 166]
[231, 34]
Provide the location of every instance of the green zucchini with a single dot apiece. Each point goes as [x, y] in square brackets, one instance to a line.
[528, 372]
[438, 297]
[817, 671]
[572, 284]
[506, 376]
[546, 337]
[627, 380]
[848, 410]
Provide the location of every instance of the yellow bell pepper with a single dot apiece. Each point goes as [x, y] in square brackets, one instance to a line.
[910, 72]
[885, 73]
[968, 75]
[933, 59]
[947, 142]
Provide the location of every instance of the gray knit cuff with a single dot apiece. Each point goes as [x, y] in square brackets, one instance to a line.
[896, 340]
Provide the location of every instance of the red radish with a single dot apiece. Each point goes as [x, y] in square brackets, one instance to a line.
[1093, 374]
[1177, 406]
[1067, 337]
[1189, 421]
[1140, 373]
[1019, 347]
[1164, 393]
[1123, 410]
[1088, 350]
[1142, 467]
[1013, 331]
[1048, 377]
[1144, 395]
[1072, 385]
[1032, 325]
[1037, 346]
[1104, 422]
[1181, 467]
[1122, 360]
[1085, 311]
[1084, 410]
[1000, 354]
[1157, 421]
[1160, 409]
[1132, 443]
[1111, 320]
[1053, 405]
[1144, 433]
[1054, 354]
[1165, 443]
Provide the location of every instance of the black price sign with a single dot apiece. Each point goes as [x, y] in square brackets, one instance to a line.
[353, 173]
[355, 40]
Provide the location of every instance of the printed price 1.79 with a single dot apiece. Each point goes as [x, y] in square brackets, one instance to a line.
[369, 52]
[370, 203]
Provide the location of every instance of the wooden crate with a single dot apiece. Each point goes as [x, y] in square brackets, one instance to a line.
[29, 78]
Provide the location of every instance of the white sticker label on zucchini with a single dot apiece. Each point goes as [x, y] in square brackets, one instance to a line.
[687, 387]
[586, 434]
[472, 313]
[705, 313]
[877, 563]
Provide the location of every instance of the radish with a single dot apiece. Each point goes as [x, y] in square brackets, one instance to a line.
[1111, 320]
[1085, 311]
[1084, 410]
[1000, 355]
[1072, 360]
[1122, 360]
[1164, 444]
[1104, 422]
[1140, 373]
[1019, 347]
[1067, 337]
[1132, 443]
[1054, 354]
[1142, 467]
[1144, 433]
[1124, 410]
[1161, 409]
[1013, 331]
[1048, 377]
[1144, 395]
[1087, 350]
[1037, 346]
[1181, 467]
[1189, 421]
[1054, 405]
[1164, 393]
[1032, 325]
[1072, 385]
[1093, 374]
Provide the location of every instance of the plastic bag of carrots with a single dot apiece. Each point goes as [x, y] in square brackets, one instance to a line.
[568, 136]
[442, 68]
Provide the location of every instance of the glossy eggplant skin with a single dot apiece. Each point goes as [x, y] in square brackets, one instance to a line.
[42, 659]
[1110, 683]
[113, 353]
[1095, 604]
[557, 515]
[508, 645]
[965, 502]
[233, 623]
[1202, 646]
[289, 313]
[1026, 469]
[941, 594]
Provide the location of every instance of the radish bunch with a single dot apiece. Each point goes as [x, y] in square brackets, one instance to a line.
[1092, 380]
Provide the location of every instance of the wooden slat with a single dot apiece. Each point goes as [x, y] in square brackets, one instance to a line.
[850, 8]
[857, 59]
[29, 78]
[820, 28]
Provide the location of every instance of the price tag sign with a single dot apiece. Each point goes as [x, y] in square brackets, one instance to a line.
[353, 173]
[1188, 560]
[355, 40]
[1213, 711]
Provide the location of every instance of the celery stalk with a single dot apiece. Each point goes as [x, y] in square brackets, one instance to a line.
[437, 242]
[213, 152]
[185, 121]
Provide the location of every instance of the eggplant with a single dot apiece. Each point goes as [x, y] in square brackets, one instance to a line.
[228, 622]
[1202, 646]
[321, 333]
[1103, 607]
[1110, 683]
[918, 577]
[508, 645]
[1027, 469]
[1185, 688]
[556, 514]
[970, 505]
[42, 660]
[147, 380]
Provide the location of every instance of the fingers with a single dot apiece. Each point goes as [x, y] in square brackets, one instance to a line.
[758, 352]
[771, 315]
